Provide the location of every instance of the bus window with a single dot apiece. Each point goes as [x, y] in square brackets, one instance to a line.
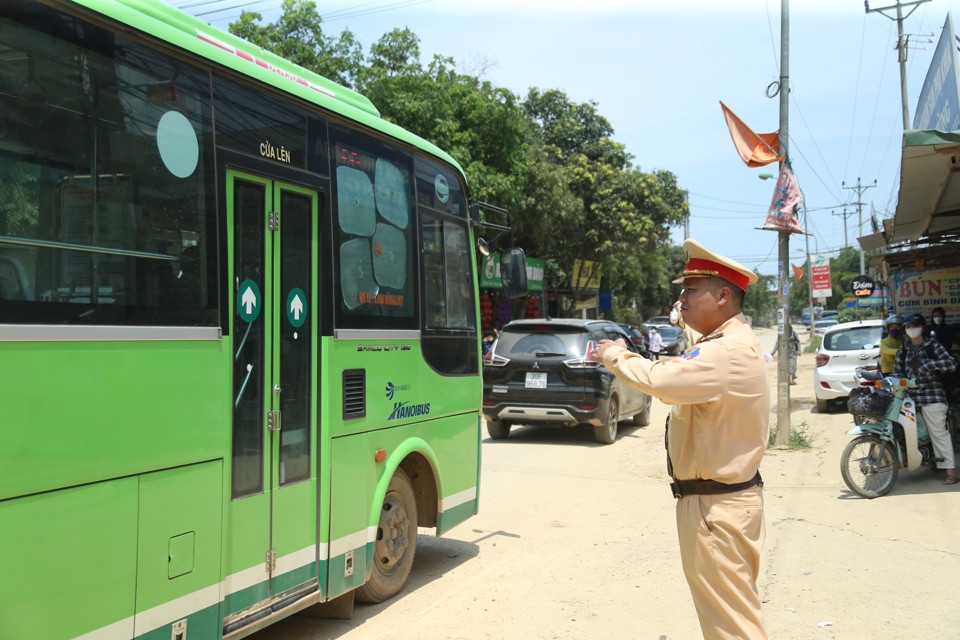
[448, 282]
[439, 189]
[375, 248]
[449, 320]
[99, 233]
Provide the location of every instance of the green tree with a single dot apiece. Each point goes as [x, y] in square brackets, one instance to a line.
[605, 210]
[760, 301]
[799, 296]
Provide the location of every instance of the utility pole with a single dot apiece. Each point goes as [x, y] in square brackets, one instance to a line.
[806, 239]
[860, 188]
[845, 215]
[901, 54]
[783, 299]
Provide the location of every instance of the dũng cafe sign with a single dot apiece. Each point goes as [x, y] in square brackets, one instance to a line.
[862, 286]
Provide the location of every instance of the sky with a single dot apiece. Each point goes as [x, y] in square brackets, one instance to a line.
[657, 71]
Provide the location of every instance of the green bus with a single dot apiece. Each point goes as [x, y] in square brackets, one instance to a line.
[239, 357]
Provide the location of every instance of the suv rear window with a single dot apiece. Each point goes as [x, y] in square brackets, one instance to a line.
[852, 339]
[565, 341]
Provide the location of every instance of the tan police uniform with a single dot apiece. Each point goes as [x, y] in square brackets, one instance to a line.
[718, 432]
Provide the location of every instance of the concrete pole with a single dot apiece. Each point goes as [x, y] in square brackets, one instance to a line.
[806, 237]
[902, 43]
[783, 297]
[860, 188]
[902, 59]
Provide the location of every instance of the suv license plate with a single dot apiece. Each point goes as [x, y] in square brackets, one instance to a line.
[536, 380]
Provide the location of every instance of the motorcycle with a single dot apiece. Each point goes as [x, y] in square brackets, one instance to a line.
[892, 436]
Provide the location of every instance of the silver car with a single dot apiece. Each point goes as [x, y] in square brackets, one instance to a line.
[845, 347]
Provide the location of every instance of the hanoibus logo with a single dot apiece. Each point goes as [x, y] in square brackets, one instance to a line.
[391, 389]
[407, 410]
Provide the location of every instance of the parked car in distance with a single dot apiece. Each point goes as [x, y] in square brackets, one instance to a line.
[845, 347]
[656, 321]
[543, 372]
[805, 314]
[826, 315]
[674, 340]
[820, 326]
[637, 337]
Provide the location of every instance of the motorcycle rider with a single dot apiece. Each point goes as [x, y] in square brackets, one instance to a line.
[923, 359]
[890, 344]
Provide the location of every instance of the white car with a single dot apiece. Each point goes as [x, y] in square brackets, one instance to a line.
[820, 326]
[845, 347]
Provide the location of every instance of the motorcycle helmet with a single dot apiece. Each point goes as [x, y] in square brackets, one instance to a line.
[894, 319]
[914, 319]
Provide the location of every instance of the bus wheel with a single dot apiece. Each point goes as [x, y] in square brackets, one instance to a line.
[396, 542]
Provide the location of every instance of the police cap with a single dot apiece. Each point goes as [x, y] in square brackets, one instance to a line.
[703, 263]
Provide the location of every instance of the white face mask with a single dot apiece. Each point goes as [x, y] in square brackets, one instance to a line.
[914, 332]
[938, 320]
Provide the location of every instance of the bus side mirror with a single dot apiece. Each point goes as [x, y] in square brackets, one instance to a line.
[513, 273]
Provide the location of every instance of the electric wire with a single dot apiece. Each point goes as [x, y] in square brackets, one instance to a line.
[205, 8]
[833, 192]
[856, 93]
[873, 119]
[400, 4]
[795, 146]
[773, 43]
[208, 7]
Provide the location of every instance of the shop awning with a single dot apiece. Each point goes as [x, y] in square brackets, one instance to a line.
[929, 204]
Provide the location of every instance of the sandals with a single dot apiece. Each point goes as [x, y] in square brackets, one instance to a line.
[951, 480]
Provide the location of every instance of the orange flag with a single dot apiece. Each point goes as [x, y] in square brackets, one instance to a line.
[756, 149]
[797, 272]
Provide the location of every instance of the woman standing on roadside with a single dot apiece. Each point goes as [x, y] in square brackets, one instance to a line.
[794, 340]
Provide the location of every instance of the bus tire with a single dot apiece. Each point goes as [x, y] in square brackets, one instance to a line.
[396, 542]
[498, 429]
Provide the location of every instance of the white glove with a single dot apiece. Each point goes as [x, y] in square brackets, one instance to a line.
[675, 314]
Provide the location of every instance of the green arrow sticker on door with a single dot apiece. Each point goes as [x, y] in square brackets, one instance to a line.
[297, 307]
[248, 301]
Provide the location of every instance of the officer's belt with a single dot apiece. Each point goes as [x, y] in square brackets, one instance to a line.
[682, 488]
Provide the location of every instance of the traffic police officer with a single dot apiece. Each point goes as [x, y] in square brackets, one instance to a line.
[717, 433]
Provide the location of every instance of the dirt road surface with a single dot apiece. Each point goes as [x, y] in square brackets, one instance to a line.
[577, 540]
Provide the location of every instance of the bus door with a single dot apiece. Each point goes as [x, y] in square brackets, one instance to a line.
[273, 530]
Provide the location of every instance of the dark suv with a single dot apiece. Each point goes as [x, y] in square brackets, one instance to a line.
[542, 372]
